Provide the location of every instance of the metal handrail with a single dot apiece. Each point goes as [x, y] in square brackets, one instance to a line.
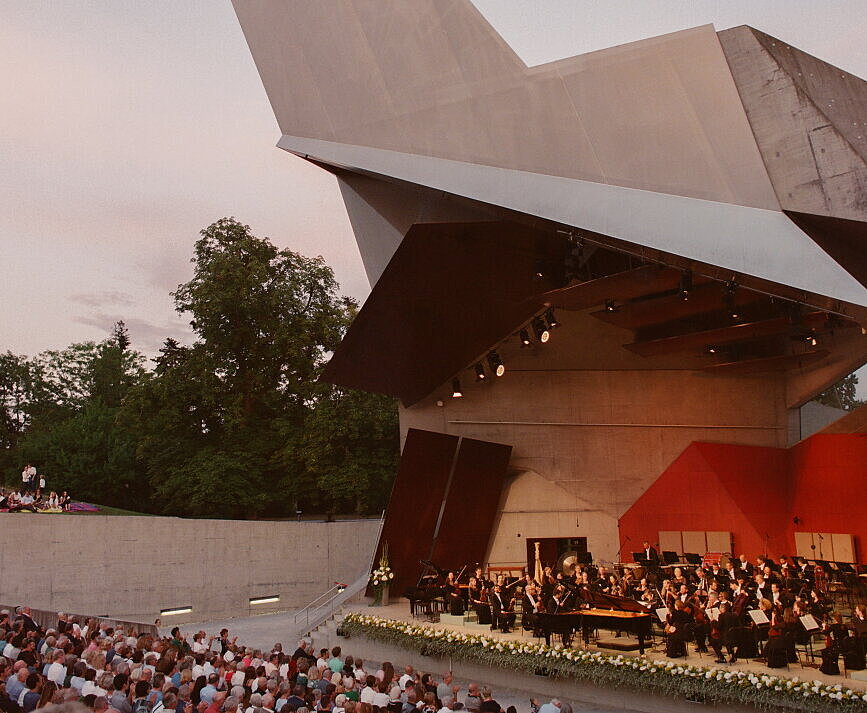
[336, 589]
[338, 594]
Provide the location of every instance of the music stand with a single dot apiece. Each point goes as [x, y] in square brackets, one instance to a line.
[670, 557]
[638, 556]
[585, 558]
[692, 558]
[845, 567]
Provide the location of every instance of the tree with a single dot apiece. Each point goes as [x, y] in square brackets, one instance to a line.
[231, 424]
[843, 394]
[14, 380]
[350, 448]
[71, 400]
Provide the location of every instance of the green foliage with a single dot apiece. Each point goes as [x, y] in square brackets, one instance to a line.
[350, 448]
[843, 394]
[64, 406]
[236, 424]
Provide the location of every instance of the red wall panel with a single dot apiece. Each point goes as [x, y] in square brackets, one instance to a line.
[755, 492]
[829, 487]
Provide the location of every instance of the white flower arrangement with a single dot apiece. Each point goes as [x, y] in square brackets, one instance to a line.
[712, 683]
[382, 575]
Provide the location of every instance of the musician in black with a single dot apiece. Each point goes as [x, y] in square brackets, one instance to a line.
[502, 610]
[678, 623]
[478, 600]
[531, 604]
[649, 553]
[454, 596]
[557, 601]
[481, 579]
[726, 633]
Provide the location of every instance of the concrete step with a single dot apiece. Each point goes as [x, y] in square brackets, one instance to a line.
[451, 620]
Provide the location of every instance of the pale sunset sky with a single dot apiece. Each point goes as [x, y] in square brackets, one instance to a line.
[127, 126]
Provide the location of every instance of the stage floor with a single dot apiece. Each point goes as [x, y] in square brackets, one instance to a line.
[400, 610]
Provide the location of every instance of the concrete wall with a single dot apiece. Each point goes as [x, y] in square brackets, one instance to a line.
[592, 426]
[815, 416]
[133, 567]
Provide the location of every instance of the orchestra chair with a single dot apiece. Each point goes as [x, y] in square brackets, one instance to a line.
[806, 648]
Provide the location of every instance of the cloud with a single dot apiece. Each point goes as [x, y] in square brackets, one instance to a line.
[103, 299]
[146, 336]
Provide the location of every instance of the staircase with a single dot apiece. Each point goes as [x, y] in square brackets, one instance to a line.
[326, 607]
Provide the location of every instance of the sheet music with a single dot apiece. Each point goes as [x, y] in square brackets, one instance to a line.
[712, 614]
[758, 616]
[809, 622]
[662, 614]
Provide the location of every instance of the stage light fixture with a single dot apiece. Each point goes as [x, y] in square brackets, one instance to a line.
[729, 299]
[456, 389]
[480, 371]
[552, 321]
[685, 285]
[710, 349]
[525, 338]
[540, 329]
[611, 306]
[811, 340]
[496, 364]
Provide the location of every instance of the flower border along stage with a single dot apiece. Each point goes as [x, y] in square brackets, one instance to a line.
[711, 684]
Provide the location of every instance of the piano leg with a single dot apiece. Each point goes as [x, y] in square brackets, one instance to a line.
[641, 643]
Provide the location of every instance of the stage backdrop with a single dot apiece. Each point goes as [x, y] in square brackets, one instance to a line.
[763, 496]
[443, 503]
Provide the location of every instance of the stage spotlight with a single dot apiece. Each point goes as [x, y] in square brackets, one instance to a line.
[710, 349]
[525, 338]
[541, 330]
[496, 364]
[811, 340]
[480, 372]
[456, 389]
[611, 306]
[685, 285]
[729, 300]
[551, 319]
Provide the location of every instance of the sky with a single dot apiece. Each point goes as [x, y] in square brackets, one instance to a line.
[128, 126]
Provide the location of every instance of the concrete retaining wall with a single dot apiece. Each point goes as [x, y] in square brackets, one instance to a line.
[134, 567]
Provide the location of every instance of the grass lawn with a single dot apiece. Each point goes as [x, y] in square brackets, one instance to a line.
[106, 510]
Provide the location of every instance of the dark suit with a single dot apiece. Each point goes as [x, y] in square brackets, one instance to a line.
[502, 616]
[651, 555]
[554, 606]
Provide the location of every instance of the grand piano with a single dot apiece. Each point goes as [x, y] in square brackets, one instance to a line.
[597, 611]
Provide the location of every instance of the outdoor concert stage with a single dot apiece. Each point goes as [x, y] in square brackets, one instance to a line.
[399, 611]
[603, 288]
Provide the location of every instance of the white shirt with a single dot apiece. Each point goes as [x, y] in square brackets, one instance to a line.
[380, 699]
[366, 695]
[403, 680]
[90, 687]
[56, 673]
